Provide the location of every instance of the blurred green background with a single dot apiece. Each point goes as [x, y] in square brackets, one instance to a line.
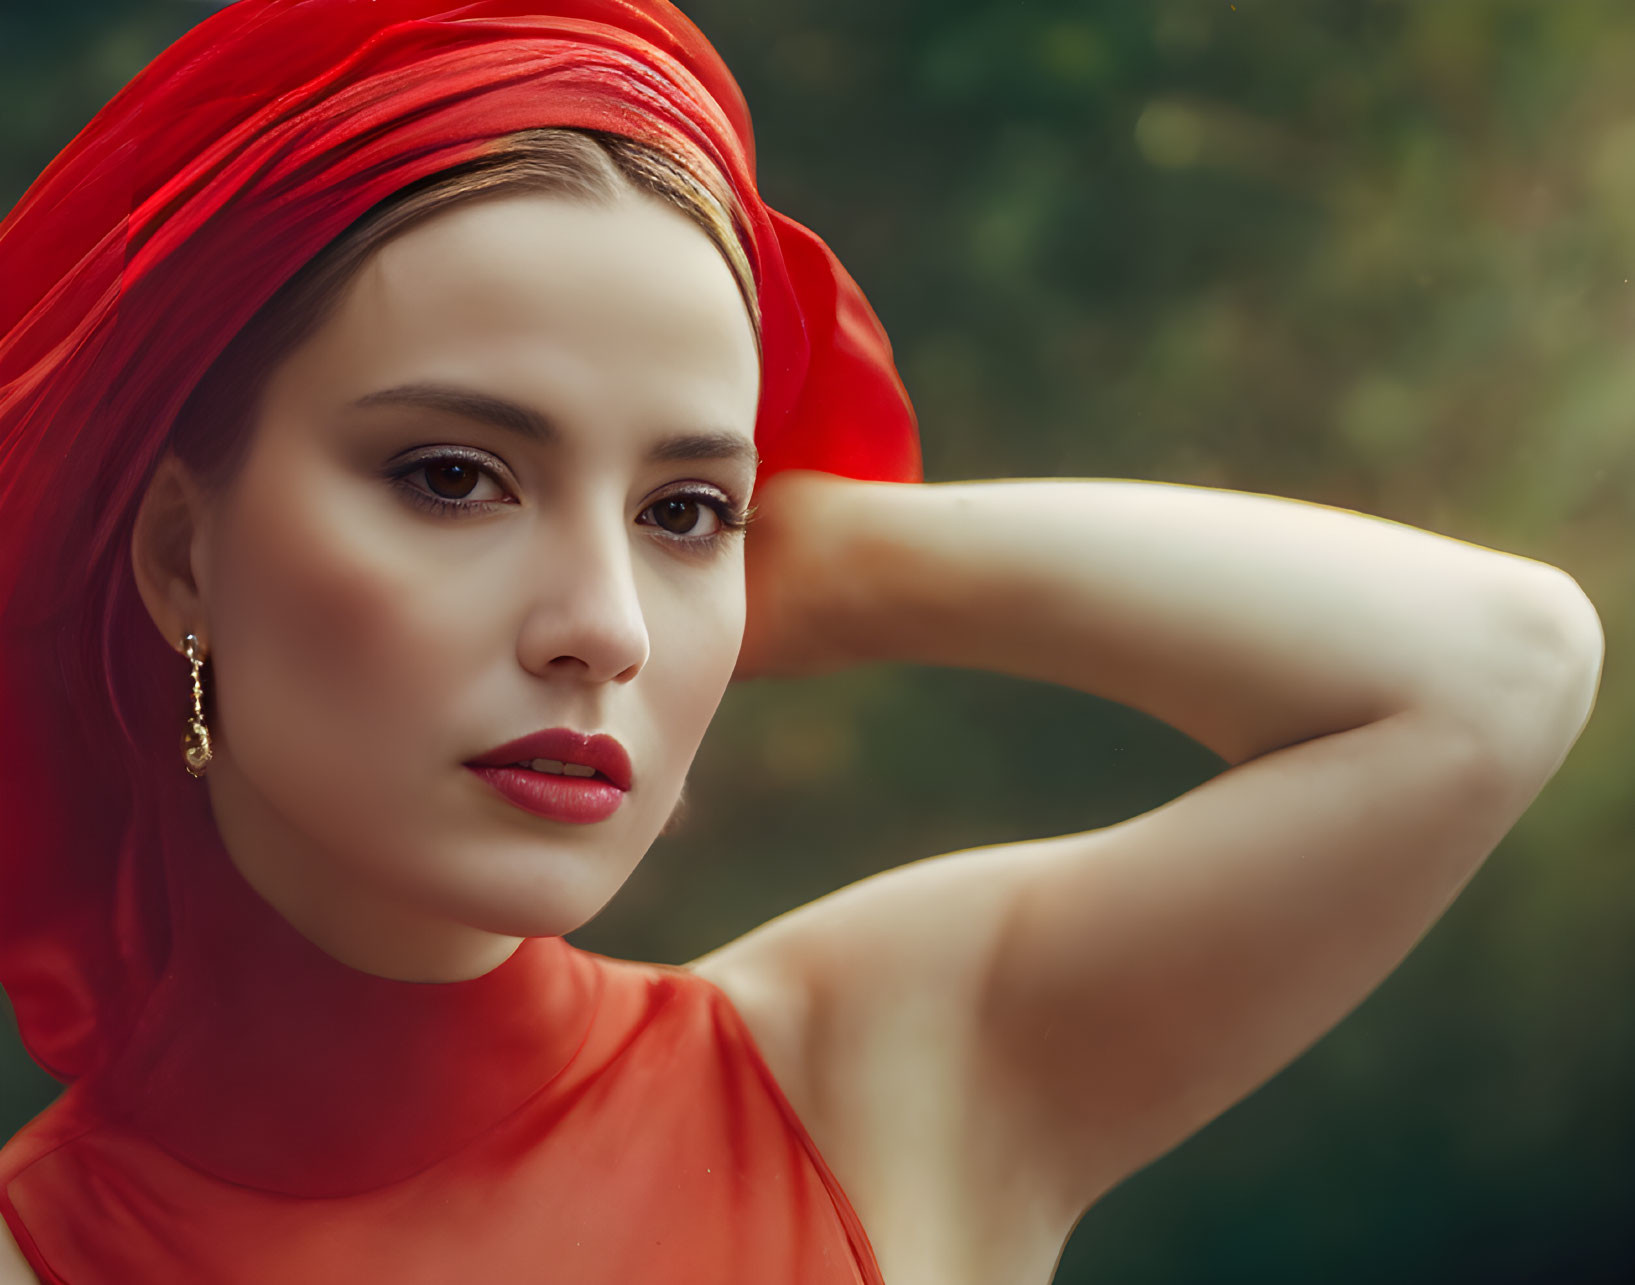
[1376, 255]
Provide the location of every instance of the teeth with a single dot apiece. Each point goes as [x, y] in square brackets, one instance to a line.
[558, 768]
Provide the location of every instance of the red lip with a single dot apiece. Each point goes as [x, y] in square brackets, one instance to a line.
[564, 744]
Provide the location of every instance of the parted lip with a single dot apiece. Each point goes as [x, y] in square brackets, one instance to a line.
[565, 745]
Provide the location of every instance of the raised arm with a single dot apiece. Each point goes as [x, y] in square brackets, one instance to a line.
[1249, 622]
[1389, 702]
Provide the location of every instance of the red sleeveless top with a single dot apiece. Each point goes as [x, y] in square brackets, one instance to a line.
[279, 1117]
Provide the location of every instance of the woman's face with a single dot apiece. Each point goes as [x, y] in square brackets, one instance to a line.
[483, 500]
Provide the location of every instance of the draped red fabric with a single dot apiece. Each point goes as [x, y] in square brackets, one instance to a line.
[242, 1107]
[155, 234]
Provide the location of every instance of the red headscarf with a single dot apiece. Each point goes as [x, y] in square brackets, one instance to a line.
[151, 239]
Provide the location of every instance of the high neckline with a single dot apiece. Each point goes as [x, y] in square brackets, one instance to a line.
[264, 1060]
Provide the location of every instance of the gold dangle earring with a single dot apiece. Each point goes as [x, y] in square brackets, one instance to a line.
[196, 739]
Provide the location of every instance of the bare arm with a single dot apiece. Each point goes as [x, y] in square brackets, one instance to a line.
[1249, 622]
[1390, 701]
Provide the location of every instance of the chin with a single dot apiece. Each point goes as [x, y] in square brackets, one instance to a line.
[551, 899]
[554, 920]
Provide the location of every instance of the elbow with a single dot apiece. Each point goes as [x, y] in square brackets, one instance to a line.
[1579, 644]
[1566, 640]
[1559, 616]
[1544, 673]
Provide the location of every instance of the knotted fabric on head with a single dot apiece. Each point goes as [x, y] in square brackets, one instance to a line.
[148, 242]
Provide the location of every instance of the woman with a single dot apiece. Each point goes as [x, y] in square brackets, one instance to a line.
[410, 372]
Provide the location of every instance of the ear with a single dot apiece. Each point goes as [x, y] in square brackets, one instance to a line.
[167, 551]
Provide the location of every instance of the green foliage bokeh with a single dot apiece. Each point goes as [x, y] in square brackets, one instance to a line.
[1377, 255]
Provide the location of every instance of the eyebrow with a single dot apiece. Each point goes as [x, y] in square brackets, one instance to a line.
[710, 444]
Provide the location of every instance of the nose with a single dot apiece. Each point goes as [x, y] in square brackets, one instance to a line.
[586, 618]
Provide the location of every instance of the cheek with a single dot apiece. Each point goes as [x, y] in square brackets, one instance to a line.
[695, 649]
[333, 651]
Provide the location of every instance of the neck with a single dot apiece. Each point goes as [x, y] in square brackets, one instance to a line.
[265, 1060]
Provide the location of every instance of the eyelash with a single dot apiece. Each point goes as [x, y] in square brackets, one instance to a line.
[732, 520]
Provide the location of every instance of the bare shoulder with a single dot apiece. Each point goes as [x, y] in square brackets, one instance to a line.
[14, 1268]
[881, 1079]
[985, 1042]
[773, 1006]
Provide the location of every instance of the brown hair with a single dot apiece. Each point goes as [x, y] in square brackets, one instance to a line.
[211, 432]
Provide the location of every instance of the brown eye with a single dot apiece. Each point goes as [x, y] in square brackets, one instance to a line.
[452, 480]
[693, 521]
[450, 477]
[678, 515]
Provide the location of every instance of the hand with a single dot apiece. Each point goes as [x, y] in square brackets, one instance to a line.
[792, 552]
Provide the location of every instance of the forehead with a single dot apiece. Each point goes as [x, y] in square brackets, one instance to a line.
[623, 310]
